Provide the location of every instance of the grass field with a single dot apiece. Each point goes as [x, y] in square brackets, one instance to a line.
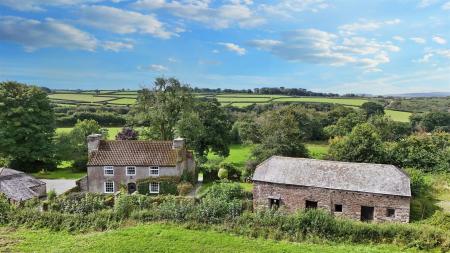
[239, 154]
[79, 97]
[162, 238]
[342, 101]
[398, 115]
[112, 131]
[126, 98]
[317, 150]
[64, 171]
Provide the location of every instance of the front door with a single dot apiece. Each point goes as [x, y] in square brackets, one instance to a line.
[131, 188]
[366, 213]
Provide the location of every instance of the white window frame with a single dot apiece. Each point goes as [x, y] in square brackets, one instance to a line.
[153, 168]
[150, 187]
[105, 188]
[126, 170]
[105, 168]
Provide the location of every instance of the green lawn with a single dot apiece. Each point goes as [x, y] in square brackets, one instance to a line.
[342, 101]
[398, 115]
[317, 150]
[162, 238]
[63, 171]
[112, 131]
[239, 154]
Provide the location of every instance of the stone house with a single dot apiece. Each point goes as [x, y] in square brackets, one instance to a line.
[18, 186]
[359, 191]
[134, 164]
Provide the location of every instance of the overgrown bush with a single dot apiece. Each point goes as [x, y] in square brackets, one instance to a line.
[184, 188]
[78, 203]
[4, 209]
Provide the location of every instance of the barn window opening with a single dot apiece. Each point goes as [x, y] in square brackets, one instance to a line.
[274, 203]
[311, 204]
[390, 212]
[338, 208]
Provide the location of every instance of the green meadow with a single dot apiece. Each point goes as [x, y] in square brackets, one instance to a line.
[158, 237]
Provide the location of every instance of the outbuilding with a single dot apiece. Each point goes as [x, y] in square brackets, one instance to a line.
[359, 191]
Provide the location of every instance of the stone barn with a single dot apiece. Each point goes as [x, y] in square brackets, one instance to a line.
[359, 191]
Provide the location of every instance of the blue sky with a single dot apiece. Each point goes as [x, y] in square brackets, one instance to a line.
[377, 47]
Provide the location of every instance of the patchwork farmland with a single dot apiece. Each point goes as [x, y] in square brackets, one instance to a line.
[128, 98]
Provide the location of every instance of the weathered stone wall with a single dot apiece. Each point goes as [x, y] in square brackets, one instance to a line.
[294, 198]
[82, 184]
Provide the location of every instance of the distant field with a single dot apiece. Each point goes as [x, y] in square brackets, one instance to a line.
[164, 238]
[342, 101]
[126, 98]
[243, 99]
[398, 115]
[123, 101]
[79, 97]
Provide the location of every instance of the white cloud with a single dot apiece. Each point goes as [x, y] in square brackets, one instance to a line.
[34, 34]
[288, 8]
[233, 48]
[398, 38]
[439, 40]
[320, 47]
[173, 60]
[366, 26]
[446, 6]
[426, 3]
[158, 68]
[38, 5]
[123, 21]
[220, 17]
[117, 46]
[418, 40]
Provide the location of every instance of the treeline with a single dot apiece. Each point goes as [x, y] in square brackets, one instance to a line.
[268, 91]
[441, 104]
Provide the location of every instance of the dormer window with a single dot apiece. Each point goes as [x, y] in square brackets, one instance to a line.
[154, 171]
[131, 171]
[108, 171]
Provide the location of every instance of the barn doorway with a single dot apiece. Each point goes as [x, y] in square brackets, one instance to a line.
[367, 213]
[131, 188]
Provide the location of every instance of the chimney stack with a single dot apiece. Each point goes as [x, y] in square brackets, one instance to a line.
[178, 143]
[93, 141]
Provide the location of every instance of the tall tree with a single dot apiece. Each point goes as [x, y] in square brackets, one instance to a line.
[363, 144]
[27, 126]
[207, 128]
[161, 108]
[372, 108]
[72, 146]
[282, 133]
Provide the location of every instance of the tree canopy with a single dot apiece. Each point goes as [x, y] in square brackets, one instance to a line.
[27, 126]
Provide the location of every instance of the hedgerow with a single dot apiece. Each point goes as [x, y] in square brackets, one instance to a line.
[224, 213]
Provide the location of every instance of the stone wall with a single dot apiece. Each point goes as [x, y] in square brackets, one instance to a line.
[293, 198]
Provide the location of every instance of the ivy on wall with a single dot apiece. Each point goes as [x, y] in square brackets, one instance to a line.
[167, 184]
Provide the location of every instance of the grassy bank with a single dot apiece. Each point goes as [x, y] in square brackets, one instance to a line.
[162, 238]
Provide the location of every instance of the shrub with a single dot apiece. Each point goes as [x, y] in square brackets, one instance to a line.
[79, 203]
[222, 173]
[184, 188]
[225, 191]
[5, 208]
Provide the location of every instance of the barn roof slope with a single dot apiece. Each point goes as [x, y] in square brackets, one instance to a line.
[359, 177]
[17, 185]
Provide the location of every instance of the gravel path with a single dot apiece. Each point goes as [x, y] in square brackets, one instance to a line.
[59, 185]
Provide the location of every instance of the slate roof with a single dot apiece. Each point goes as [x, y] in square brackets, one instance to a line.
[360, 177]
[16, 184]
[133, 153]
